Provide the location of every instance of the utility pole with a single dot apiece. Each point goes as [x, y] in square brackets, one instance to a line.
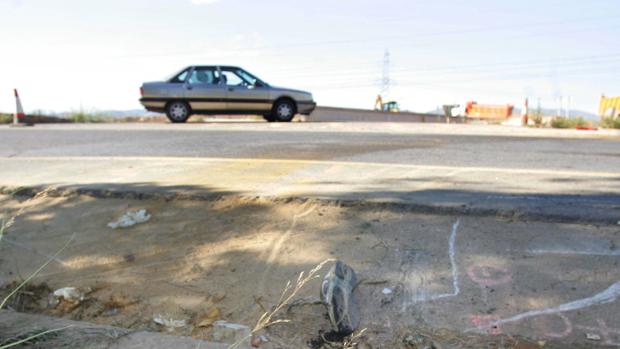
[385, 80]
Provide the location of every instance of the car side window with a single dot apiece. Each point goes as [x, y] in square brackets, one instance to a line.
[203, 76]
[232, 79]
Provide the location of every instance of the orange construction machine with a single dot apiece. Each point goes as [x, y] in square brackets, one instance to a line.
[487, 111]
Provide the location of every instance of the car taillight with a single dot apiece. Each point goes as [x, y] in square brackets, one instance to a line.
[141, 91]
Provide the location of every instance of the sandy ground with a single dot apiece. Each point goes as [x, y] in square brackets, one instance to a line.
[447, 277]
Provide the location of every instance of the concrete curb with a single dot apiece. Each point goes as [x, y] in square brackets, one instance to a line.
[448, 209]
[86, 335]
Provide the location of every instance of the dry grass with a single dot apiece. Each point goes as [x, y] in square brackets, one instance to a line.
[291, 290]
[7, 222]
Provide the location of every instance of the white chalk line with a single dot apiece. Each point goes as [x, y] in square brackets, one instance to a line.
[455, 269]
[609, 295]
[278, 243]
[575, 252]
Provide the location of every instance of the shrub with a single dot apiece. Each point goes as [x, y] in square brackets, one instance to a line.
[6, 118]
[610, 122]
[561, 122]
[85, 117]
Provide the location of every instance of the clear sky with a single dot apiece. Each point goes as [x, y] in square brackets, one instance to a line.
[63, 55]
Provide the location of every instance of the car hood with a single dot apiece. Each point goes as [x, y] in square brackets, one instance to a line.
[285, 89]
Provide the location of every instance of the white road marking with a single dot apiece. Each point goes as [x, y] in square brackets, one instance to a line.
[609, 295]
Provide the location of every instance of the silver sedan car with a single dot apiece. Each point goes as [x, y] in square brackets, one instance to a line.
[212, 90]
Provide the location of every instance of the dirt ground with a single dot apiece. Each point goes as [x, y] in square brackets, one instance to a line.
[462, 282]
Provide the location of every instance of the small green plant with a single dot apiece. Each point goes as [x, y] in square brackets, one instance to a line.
[610, 122]
[6, 118]
[82, 116]
[561, 122]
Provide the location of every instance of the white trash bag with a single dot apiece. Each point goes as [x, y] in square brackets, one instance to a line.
[130, 219]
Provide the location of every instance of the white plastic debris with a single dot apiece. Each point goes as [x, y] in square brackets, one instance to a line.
[130, 219]
[593, 337]
[70, 294]
[169, 323]
[387, 291]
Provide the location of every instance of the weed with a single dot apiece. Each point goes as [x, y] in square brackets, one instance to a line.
[5, 223]
[6, 118]
[610, 122]
[286, 298]
[561, 122]
[82, 116]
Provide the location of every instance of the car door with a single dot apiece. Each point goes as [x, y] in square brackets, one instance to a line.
[244, 95]
[203, 91]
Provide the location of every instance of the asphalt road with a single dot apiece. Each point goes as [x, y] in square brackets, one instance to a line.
[565, 173]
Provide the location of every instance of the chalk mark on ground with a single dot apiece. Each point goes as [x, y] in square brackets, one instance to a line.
[611, 294]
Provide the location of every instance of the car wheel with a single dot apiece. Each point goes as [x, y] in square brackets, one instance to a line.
[178, 112]
[284, 110]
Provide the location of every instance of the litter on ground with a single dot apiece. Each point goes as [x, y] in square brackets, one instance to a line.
[130, 219]
[69, 294]
[169, 323]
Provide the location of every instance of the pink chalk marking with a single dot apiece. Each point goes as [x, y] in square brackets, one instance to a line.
[607, 334]
[489, 276]
[484, 322]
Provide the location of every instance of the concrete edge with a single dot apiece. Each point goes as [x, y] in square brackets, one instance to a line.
[521, 215]
[77, 334]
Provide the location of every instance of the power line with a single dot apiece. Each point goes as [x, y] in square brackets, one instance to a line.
[380, 39]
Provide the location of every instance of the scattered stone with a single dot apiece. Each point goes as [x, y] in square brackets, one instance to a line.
[226, 332]
[593, 337]
[418, 342]
[69, 294]
[337, 294]
[170, 324]
[257, 341]
[130, 219]
[387, 291]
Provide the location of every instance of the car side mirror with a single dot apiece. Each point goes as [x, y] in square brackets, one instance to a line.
[258, 84]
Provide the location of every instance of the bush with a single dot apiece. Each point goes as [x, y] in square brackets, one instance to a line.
[6, 118]
[85, 117]
[561, 122]
[610, 122]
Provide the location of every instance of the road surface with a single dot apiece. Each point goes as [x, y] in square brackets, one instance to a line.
[556, 174]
